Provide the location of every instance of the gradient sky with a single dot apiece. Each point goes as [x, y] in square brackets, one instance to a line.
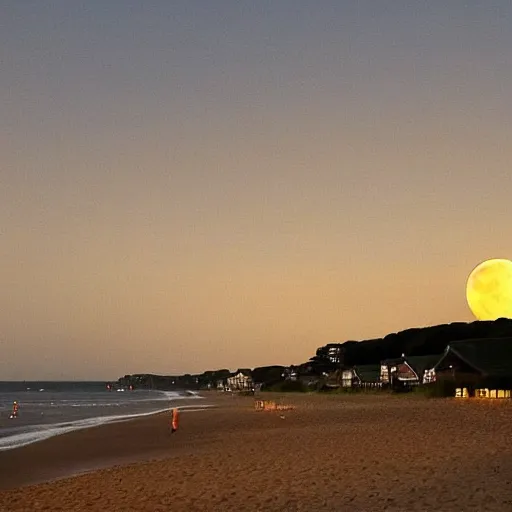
[188, 185]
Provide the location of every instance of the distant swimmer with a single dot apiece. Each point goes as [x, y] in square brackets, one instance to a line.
[175, 420]
[14, 413]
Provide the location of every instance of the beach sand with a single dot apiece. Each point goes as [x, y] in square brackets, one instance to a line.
[334, 453]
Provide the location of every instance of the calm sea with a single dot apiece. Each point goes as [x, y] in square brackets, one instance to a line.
[47, 409]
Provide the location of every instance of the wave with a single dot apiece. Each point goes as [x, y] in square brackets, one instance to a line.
[86, 402]
[36, 433]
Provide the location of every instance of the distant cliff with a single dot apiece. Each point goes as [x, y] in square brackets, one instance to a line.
[173, 382]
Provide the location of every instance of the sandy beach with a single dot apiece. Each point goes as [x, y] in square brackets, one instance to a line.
[354, 452]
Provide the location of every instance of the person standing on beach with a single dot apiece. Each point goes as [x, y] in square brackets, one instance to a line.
[14, 413]
[174, 420]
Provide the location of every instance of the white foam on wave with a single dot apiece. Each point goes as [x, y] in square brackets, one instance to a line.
[42, 432]
[166, 396]
[175, 395]
[162, 396]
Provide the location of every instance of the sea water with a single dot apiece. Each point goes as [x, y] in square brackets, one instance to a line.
[47, 409]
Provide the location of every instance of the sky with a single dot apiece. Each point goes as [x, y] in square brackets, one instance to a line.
[190, 185]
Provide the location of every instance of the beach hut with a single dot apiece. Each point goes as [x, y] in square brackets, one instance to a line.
[483, 367]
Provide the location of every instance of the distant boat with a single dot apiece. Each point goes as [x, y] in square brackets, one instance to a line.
[42, 389]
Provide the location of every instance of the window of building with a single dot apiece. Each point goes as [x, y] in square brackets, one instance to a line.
[461, 392]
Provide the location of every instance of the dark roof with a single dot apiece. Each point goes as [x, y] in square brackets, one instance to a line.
[491, 356]
[368, 372]
[421, 363]
[393, 362]
[418, 363]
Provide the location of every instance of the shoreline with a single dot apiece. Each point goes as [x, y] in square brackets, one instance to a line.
[73, 463]
[50, 430]
[74, 471]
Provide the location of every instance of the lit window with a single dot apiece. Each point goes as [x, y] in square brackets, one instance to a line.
[461, 392]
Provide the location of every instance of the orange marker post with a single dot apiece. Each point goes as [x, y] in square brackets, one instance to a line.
[175, 420]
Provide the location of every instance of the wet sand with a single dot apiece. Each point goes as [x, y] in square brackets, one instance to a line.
[359, 453]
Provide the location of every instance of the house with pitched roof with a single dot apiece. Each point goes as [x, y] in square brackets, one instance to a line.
[241, 380]
[479, 367]
[406, 371]
[360, 376]
[367, 376]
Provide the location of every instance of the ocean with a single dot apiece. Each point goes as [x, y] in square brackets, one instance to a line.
[47, 409]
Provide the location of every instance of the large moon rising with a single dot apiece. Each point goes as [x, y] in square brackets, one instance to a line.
[489, 290]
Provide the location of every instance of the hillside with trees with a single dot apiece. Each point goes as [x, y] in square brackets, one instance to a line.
[333, 356]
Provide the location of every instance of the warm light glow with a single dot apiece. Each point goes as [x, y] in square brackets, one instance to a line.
[489, 290]
[461, 393]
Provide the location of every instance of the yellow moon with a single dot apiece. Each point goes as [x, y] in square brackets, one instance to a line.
[489, 290]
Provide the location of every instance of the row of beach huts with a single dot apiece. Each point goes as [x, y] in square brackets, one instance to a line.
[479, 368]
